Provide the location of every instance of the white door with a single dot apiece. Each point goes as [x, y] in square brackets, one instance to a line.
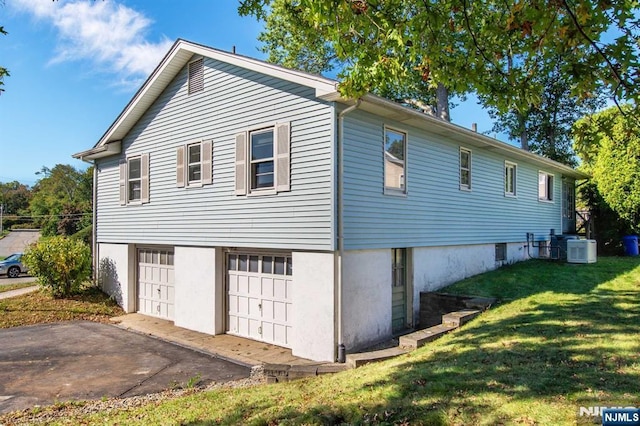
[156, 279]
[259, 297]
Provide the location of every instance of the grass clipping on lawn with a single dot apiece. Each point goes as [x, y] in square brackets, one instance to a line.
[40, 307]
[567, 337]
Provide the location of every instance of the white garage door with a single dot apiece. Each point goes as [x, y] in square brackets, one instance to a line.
[259, 297]
[156, 282]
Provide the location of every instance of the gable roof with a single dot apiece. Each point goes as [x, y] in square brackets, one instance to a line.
[178, 56]
[183, 51]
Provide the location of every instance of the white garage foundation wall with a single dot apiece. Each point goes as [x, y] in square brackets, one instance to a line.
[116, 273]
[366, 297]
[313, 306]
[198, 289]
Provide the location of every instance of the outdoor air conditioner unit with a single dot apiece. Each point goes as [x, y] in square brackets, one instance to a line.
[581, 251]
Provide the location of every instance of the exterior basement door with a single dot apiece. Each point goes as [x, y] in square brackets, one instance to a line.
[398, 290]
[259, 297]
[156, 280]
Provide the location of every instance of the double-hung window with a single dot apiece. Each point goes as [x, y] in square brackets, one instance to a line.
[545, 186]
[395, 150]
[194, 164]
[510, 178]
[134, 180]
[465, 169]
[263, 160]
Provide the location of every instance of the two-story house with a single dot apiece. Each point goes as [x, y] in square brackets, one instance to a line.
[236, 196]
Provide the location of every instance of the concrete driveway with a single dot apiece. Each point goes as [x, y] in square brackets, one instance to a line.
[44, 364]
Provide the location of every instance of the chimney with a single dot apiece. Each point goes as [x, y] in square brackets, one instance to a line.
[474, 127]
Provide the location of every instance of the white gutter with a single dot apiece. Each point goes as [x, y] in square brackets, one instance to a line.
[341, 349]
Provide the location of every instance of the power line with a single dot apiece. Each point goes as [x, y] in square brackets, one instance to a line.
[7, 215]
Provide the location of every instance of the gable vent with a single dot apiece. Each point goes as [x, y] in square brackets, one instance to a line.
[196, 76]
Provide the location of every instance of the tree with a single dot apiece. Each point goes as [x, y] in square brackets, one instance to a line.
[548, 126]
[608, 143]
[290, 42]
[62, 189]
[14, 197]
[60, 264]
[494, 48]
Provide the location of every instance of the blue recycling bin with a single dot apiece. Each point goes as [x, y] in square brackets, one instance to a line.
[630, 244]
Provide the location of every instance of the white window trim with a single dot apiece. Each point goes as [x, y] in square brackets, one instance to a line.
[261, 191]
[513, 194]
[397, 192]
[281, 160]
[463, 186]
[550, 196]
[206, 164]
[129, 180]
[192, 183]
[124, 180]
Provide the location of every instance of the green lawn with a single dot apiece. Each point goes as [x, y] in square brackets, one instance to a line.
[566, 336]
[40, 307]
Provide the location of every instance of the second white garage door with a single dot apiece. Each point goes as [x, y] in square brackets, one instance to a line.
[259, 297]
[156, 282]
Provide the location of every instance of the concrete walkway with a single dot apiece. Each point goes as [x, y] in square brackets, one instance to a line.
[18, 292]
[244, 351]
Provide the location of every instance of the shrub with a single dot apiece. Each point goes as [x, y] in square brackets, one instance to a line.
[60, 264]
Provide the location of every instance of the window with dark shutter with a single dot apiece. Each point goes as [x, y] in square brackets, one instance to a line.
[196, 76]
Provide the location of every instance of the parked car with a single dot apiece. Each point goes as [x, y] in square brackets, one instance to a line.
[12, 266]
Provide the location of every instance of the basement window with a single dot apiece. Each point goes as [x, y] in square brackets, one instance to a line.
[501, 252]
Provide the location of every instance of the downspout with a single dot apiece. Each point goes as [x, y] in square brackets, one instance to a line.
[341, 348]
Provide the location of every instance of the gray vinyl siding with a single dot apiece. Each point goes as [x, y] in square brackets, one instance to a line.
[435, 212]
[233, 100]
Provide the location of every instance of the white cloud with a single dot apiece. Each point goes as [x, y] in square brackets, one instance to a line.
[105, 32]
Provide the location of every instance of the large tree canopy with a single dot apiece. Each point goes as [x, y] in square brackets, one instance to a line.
[61, 201]
[608, 142]
[548, 125]
[498, 49]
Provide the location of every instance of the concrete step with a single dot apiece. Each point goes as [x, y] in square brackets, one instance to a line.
[421, 337]
[482, 303]
[360, 359]
[459, 318]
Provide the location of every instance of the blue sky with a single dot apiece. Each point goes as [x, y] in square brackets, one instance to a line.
[75, 64]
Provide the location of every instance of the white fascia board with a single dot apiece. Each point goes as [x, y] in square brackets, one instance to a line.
[106, 150]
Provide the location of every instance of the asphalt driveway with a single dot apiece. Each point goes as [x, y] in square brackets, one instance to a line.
[18, 241]
[49, 363]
